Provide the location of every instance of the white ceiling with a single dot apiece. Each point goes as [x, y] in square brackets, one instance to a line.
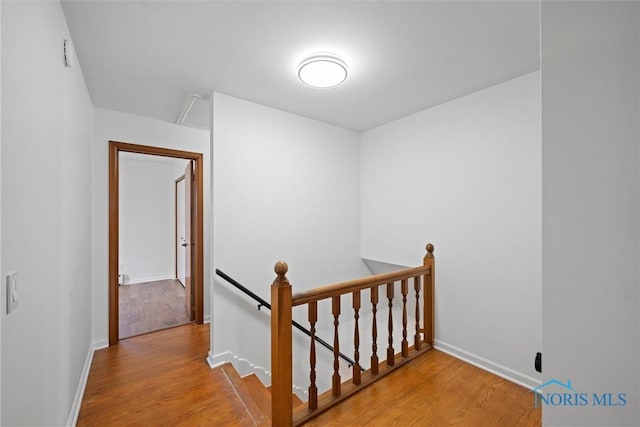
[146, 57]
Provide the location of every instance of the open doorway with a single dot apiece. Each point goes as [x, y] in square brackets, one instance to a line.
[151, 295]
[155, 239]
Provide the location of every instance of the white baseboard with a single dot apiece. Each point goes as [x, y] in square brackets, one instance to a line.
[82, 383]
[244, 368]
[99, 344]
[487, 365]
[219, 359]
[137, 280]
[206, 319]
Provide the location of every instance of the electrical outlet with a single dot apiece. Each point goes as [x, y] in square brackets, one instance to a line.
[12, 291]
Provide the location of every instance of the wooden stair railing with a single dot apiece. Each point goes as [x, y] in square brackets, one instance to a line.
[262, 303]
[282, 303]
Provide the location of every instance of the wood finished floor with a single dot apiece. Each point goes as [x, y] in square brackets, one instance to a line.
[151, 306]
[436, 390]
[163, 379]
[160, 379]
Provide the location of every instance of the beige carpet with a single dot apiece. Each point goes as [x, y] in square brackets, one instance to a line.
[152, 306]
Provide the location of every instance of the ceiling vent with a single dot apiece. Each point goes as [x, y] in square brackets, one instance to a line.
[195, 112]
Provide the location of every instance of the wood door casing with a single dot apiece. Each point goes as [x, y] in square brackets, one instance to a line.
[190, 240]
[115, 147]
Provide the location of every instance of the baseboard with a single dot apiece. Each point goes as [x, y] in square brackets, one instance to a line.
[206, 319]
[245, 367]
[148, 279]
[219, 359]
[99, 344]
[82, 383]
[487, 365]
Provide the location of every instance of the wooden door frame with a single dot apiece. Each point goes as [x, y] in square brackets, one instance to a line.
[175, 216]
[115, 147]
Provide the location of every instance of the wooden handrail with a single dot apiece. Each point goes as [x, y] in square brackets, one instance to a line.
[262, 303]
[282, 302]
[349, 286]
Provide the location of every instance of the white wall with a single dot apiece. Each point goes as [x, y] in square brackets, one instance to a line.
[590, 115]
[46, 216]
[465, 176]
[112, 125]
[286, 187]
[1, 208]
[147, 217]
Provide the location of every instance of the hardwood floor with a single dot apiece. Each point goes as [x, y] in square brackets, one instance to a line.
[163, 379]
[160, 379]
[436, 390]
[152, 306]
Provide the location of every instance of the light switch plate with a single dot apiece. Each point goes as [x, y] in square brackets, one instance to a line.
[12, 291]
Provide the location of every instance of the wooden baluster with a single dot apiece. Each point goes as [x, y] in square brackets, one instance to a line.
[417, 342]
[356, 337]
[313, 390]
[404, 288]
[429, 295]
[374, 331]
[281, 343]
[390, 351]
[335, 309]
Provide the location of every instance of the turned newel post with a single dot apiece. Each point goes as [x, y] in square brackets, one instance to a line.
[429, 296]
[281, 343]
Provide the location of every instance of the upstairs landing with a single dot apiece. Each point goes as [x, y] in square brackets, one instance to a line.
[163, 379]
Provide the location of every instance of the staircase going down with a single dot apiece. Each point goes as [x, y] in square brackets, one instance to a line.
[408, 383]
[433, 389]
[255, 397]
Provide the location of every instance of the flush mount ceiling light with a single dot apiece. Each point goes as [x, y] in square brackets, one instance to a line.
[322, 70]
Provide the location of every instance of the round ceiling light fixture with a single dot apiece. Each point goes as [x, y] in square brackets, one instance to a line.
[322, 70]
